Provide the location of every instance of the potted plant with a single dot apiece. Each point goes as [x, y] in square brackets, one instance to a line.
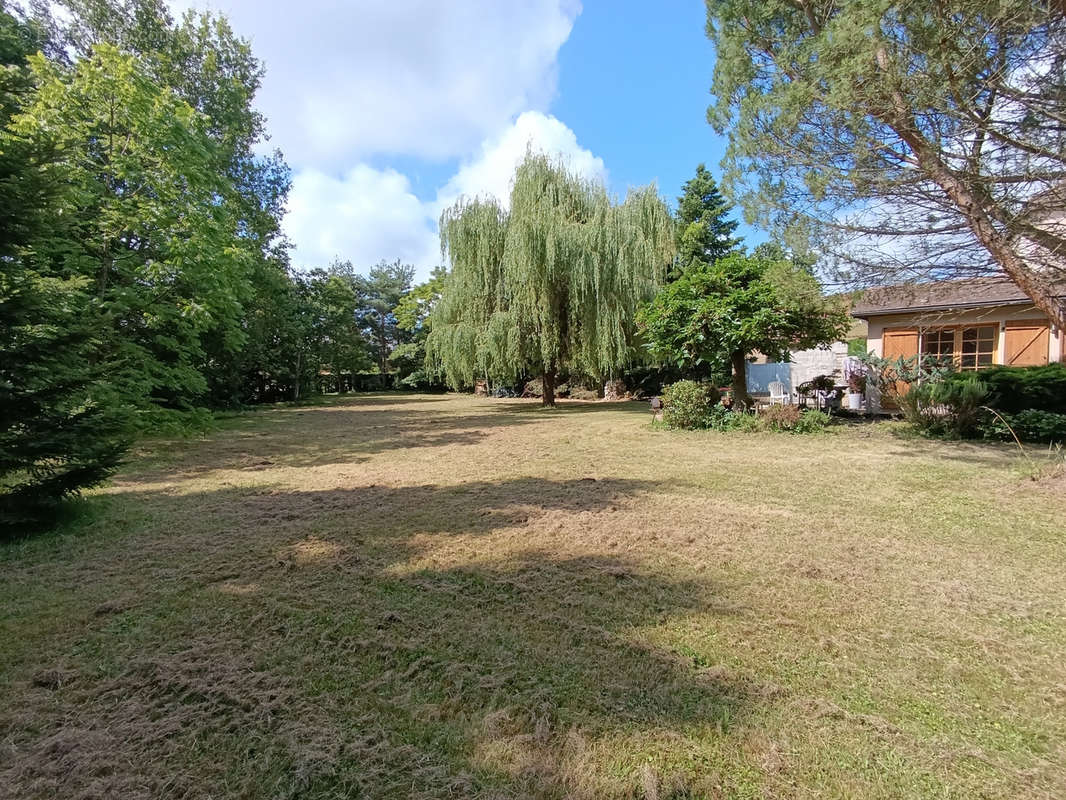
[856, 390]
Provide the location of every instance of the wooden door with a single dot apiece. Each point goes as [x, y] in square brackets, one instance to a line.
[1027, 343]
[896, 344]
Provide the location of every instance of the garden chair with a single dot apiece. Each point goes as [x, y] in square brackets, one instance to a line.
[778, 395]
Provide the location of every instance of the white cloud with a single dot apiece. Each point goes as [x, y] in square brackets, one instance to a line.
[491, 171]
[423, 78]
[464, 80]
[368, 215]
[365, 216]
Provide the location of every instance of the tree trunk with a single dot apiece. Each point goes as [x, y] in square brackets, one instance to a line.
[972, 202]
[741, 398]
[548, 388]
[383, 345]
[296, 383]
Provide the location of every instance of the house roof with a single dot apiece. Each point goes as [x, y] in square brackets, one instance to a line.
[940, 296]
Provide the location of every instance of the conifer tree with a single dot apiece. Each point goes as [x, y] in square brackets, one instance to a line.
[704, 230]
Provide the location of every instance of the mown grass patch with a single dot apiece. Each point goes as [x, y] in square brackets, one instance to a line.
[427, 596]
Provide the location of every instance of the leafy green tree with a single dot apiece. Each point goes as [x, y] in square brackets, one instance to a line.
[736, 306]
[61, 429]
[142, 215]
[201, 59]
[549, 286]
[280, 357]
[906, 140]
[413, 314]
[337, 328]
[704, 231]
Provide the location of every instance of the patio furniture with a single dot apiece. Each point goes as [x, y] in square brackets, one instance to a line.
[829, 401]
[778, 395]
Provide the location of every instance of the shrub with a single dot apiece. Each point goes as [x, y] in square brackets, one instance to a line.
[1017, 389]
[945, 407]
[582, 393]
[743, 422]
[780, 418]
[1030, 425]
[722, 418]
[691, 405]
[688, 404]
[887, 375]
[790, 419]
[812, 422]
[63, 426]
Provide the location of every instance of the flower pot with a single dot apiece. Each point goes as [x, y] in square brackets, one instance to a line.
[855, 401]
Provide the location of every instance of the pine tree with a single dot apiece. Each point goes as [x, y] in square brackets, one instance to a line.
[60, 427]
[704, 232]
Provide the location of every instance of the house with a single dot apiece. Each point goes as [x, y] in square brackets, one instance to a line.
[976, 322]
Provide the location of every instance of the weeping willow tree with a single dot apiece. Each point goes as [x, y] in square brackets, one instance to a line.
[550, 286]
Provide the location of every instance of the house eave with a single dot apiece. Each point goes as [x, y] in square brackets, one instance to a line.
[885, 312]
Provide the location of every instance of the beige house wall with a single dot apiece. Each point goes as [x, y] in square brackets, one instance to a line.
[1000, 315]
[974, 316]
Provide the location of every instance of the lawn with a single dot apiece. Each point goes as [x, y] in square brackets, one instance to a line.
[441, 596]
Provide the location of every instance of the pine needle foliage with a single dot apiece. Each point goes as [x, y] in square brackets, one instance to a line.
[550, 286]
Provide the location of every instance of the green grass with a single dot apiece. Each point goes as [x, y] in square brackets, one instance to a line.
[439, 596]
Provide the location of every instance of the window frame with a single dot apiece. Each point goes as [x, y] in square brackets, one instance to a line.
[957, 354]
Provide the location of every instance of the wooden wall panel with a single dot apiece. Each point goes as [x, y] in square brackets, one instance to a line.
[1027, 343]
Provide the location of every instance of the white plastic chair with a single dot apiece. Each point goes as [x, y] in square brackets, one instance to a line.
[778, 395]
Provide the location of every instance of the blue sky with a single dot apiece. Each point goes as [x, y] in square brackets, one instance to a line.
[634, 82]
[388, 112]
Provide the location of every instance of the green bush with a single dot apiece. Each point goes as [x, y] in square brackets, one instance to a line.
[743, 422]
[63, 427]
[1016, 389]
[789, 419]
[725, 419]
[691, 405]
[812, 422]
[947, 407]
[1030, 425]
[688, 404]
[887, 374]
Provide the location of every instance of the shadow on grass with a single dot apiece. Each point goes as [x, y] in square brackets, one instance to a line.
[564, 407]
[384, 398]
[333, 434]
[354, 431]
[967, 451]
[315, 643]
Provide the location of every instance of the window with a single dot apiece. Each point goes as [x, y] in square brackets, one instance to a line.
[968, 348]
[940, 343]
[978, 345]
